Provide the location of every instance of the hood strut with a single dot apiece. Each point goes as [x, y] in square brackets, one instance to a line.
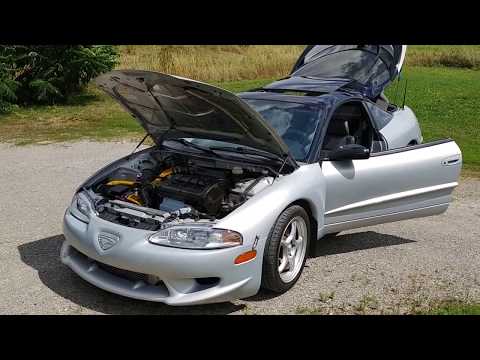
[141, 142]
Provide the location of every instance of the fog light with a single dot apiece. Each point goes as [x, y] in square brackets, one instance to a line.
[246, 256]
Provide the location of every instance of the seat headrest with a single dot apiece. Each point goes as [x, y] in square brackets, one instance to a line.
[337, 127]
[349, 112]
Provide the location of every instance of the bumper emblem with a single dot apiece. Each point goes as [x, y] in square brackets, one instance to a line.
[107, 241]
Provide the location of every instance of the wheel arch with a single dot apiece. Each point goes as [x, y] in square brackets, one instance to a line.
[308, 207]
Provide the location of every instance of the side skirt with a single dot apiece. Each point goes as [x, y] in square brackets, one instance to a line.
[380, 219]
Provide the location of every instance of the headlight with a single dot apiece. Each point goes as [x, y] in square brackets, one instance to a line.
[196, 237]
[83, 206]
[80, 208]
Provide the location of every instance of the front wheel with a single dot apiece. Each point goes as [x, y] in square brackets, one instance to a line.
[286, 250]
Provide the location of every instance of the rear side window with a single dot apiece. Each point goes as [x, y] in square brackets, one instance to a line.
[360, 65]
[380, 118]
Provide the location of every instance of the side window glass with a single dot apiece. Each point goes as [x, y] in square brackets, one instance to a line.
[380, 118]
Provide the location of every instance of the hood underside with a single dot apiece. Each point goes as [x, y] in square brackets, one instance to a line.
[172, 107]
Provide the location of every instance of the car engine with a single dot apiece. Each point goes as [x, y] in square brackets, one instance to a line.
[162, 188]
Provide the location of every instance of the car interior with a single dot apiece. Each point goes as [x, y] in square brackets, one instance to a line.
[351, 124]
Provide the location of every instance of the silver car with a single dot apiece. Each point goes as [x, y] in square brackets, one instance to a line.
[237, 188]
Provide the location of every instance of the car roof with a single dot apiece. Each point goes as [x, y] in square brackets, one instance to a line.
[305, 90]
[327, 99]
[302, 83]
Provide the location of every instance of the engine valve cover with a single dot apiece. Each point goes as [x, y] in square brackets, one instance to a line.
[202, 192]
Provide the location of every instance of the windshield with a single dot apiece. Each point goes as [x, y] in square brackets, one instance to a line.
[295, 123]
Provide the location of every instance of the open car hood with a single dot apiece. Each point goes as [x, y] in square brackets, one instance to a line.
[173, 107]
[370, 67]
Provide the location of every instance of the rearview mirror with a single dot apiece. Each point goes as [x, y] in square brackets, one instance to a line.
[349, 152]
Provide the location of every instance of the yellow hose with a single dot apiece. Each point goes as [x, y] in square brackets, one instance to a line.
[121, 182]
[166, 173]
[134, 199]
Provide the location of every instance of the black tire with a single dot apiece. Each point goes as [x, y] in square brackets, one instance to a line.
[270, 277]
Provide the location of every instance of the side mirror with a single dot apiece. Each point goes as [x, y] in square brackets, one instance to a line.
[349, 152]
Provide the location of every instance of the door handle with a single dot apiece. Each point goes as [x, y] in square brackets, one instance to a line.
[453, 160]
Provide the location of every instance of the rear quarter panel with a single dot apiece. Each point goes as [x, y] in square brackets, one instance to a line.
[402, 129]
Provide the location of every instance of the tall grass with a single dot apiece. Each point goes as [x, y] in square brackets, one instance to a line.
[244, 62]
[459, 56]
[213, 63]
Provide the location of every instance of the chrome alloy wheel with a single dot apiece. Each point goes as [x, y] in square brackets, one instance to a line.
[292, 249]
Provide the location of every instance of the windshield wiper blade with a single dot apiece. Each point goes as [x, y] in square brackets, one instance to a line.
[245, 151]
[192, 145]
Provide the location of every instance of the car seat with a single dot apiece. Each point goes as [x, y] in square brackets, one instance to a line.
[338, 134]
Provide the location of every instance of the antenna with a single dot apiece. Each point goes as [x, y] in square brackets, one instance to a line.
[396, 90]
[405, 94]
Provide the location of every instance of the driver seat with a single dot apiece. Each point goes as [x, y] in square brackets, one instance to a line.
[338, 134]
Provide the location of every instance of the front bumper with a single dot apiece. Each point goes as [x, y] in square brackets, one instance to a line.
[181, 276]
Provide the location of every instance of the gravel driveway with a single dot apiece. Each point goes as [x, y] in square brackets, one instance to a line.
[393, 268]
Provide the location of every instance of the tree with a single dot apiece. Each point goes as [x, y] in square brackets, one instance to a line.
[44, 74]
[8, 85]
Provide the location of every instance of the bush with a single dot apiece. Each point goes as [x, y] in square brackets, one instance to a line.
[50, 74]
[8, 86]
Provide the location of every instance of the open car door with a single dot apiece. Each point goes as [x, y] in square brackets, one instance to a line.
[409, 182]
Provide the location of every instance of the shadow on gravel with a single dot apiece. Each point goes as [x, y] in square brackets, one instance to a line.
[340, 244]
[43, 255]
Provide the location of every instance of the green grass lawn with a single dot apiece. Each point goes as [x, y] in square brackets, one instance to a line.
[447, 104]
[92, 115]
[454, 308]
[445, 100]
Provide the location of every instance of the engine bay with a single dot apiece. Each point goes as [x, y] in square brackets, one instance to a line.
[159, 188]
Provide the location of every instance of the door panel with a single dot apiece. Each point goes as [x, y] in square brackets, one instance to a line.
[394, 185]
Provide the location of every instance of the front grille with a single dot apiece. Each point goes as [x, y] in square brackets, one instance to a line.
[121, 273]
[124, 274]
[120, 281]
